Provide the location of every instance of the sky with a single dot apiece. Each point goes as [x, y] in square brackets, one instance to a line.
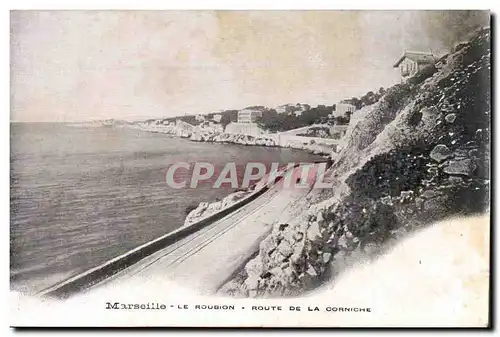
[71, 66]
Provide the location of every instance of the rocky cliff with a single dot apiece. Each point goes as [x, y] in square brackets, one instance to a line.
[418, 155]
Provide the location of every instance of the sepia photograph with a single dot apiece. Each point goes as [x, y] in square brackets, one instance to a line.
[250, 168]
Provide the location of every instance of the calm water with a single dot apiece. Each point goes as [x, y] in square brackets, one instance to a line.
[81, 196]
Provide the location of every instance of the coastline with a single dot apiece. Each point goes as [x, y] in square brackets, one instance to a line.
[204, 209]
[313, 145]
[207, 208]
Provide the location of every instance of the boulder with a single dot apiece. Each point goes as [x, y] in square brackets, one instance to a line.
[313, 232]
[450, 118]
[343, 242]
[254, 267]
[297, 253]
[326, 257]
[440, 153]
[311, 271]
[455, 180]
[298, 236]
[285, 248]
[464, 167]
[473, 153]
[252, 283]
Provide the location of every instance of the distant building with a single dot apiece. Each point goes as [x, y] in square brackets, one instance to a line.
[412, 62]
[289, 109]
[248, 115]
[342, 109]
[282, 109]
[200, 118]
[217, 118]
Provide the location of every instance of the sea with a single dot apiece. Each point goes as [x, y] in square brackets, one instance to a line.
[80, 196]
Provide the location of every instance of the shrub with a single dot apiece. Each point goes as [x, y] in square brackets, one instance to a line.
[390, 173]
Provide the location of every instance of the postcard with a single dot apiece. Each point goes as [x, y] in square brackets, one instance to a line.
[209, 168]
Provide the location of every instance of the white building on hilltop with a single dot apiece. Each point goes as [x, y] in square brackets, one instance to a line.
[248, 115]
[412, 62]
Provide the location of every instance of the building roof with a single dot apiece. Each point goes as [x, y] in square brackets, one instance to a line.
[419, 57]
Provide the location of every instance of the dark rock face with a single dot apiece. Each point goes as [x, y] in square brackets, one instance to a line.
[420, 154]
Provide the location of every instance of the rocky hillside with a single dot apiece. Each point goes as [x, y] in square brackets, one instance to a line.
[420, 154]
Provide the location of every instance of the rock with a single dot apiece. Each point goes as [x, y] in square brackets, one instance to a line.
[313, 232]
[406, 195]
[320, 217]
[430, 111]
[297, 253]
[450, 118]
[254, 267]
[298, 236]
[455, 180]
[288, 272]
[205, 209]
[441, 152]
[342, 242]
[252, 283]
[276, 271]
[415, 118]
[252, 293]
[387, 200]
[473, 153]
[348, 234]
[419, 202]
[311, 271]
[326, 257]
[370, 249]
[266, 274]
[283, 226]
[463, 167]
[285, 248]
[434, 207]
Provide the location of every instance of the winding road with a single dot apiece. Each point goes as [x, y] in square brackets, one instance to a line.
[206, 259]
